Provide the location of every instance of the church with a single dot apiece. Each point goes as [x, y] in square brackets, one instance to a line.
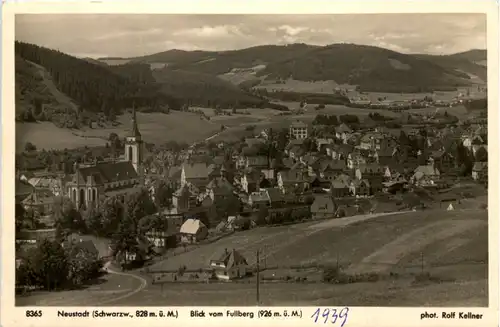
[91, 183]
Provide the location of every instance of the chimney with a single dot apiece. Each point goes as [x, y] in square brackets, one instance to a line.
[225, 250]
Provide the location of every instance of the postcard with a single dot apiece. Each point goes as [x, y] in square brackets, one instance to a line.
[250, 163]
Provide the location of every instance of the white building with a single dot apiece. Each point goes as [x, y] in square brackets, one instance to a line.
[298, 130]
[230, 265]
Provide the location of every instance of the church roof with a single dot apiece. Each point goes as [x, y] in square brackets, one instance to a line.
[107, 172]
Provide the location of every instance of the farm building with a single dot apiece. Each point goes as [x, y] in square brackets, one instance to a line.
[193, 230]
[323, 207]
[229, 265]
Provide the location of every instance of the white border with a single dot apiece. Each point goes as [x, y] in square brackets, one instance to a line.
[358, 316]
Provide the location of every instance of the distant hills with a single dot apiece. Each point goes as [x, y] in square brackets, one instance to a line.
[372, 68]
[51, 85]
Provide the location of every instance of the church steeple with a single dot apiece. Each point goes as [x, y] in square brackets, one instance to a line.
[135, 129]
[134, 147]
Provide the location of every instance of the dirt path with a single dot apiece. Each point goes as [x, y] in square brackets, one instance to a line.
[390, 254]
[142, 286]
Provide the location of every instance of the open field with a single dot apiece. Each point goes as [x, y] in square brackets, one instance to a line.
[291, 85]
[454, 246]
[325, 242]
[155, 128]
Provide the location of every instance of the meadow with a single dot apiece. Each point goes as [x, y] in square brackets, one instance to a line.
[155, 128]
[393, 238]
[453, 245]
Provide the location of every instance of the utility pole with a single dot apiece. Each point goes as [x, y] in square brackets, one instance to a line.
[338, 264]
[422, 262]
[258, 279]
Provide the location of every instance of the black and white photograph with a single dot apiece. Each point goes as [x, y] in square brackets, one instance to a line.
[249, 159]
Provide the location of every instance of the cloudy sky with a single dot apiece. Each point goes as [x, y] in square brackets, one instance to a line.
[91, 35]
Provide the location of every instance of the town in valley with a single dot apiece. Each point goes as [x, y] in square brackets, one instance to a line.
[289, 172]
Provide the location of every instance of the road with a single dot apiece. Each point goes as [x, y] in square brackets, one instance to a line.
[114, 286]
[143, 284]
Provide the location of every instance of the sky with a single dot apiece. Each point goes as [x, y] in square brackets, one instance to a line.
[127, 35]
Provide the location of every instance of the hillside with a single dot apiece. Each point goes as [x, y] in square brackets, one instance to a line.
[72, 92]
[469, 62]
[94, 88]
[216, 63]
[475, 55]
[372, 68]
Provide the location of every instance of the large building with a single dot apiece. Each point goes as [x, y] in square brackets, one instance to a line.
[298, 130]
[91, 183]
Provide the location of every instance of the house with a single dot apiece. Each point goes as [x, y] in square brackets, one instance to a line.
[293, 180]
[229, 265]
[355, 159]
[197, 174]
[23, 190]
[96, 246]
[185, 197]
[425, 175]
[84, 246]
[480, 171]
[193, 230]
[259, 199]
[343, 131]
[40, 201]
[276, 197]
[165, 228]
[253, 180]
[332, 168]
[321, 143]
[49, 182]
[253, 141]
[360, 187]
[298, 130]
[369, 171]
[443, 160]
[339, 188]
[318, 183]
[323, 207]
[384, 156]
[256, 162]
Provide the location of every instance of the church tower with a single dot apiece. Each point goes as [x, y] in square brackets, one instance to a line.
[134, 147]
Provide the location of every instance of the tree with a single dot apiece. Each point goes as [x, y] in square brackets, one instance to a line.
[93, 220]
[20, 213]
[111, 211]
[29, 147]
[50, 265]
[67, 218]
[82, 265]
[163, 195]
[481, 155]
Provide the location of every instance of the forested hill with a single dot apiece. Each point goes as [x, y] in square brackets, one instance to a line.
[371, 68]
[94, 87]
[54, 86]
